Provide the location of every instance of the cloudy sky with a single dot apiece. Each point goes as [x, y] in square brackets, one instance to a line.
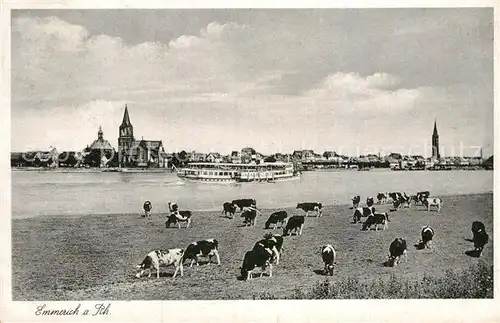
[350, 80]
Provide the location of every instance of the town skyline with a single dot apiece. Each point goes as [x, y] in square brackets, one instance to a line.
[343, 80]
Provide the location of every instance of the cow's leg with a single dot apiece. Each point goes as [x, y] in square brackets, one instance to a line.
[277, 255]
[182, 268]
[192, 262]
[157, 272]
[175, 272]
[405, 253]
[270, 270]
[307, 214]
[216, 253]
[300, 231]
[179, 224]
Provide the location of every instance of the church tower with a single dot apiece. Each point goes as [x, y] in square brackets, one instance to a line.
[435, 143]
[125, 139]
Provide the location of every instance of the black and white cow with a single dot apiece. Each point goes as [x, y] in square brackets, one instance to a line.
[295, 223]
[433, 201]
[427, 235]
[376, 219]
[157, 258]
[273, 243]
[275, 218]
[477, 226]
[421, 196]
[178, 217]
[241, 203]
[355, 201]
[203, 248]
[250, 216]
[381, 198]
[362, 212]
[480, 240]
[328, 255]
[369, 201]
[397, 250]
[229, 208]
[311, 206]
[257, 257]
[147, 209]
[479, 236]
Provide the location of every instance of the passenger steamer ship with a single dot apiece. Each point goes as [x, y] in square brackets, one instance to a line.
[233, 173]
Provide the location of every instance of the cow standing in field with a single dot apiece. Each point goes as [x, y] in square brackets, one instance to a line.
[369, 201]
[295, 223]
[427, 235]
[381, 198]
[257, 257]
[203, 248]
[480, 237]
[397, 250]
[273, 243]
[177, 217]
[147, 209]
[376, 219]
[355, 201]
[241, 203]
[229, 208]
[433, 201]
[250, 215]
[275, 218]
[311, 206]
[362, 212]
[328, 255]
[157, 258]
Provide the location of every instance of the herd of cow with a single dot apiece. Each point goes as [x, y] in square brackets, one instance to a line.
[266, 252]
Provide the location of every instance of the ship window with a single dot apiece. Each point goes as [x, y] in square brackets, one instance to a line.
[205, 173]
[210, 173]
[225, 173]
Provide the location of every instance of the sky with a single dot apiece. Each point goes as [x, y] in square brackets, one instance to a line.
[355, 81]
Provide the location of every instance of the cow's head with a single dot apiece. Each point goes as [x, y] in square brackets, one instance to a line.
[329, 269]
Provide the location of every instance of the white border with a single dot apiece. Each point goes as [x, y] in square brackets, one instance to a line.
[222, 311]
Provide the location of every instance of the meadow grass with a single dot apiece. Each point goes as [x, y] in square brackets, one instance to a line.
[473, 282]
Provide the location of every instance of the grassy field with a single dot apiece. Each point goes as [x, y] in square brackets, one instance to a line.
[93, 257]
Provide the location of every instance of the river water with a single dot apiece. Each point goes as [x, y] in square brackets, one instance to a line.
[79, 193]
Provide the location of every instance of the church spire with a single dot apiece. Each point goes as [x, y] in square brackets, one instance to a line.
[126, 118]
[435, 133]
[100, 134]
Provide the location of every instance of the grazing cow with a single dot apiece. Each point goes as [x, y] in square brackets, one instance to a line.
[433, 201]
[479, 236]
[397, 250]
[376, 219]
[178, 217]
[328, 254]
[355, 201]
[421, 196]
[295, 223]
[362, 212]
[273, 243]
[369, 201]
[257, 257]
[157, 258]
[311, 206]
[241, 203]
[206, 248]
[427, 235]
[250, 215]
[381, 198]
[477, 226]
[480, 239]
[229, 208]
[147, 209]
[275, 218]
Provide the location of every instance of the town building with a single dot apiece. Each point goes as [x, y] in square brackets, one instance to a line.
[138, 153]
[100, 152]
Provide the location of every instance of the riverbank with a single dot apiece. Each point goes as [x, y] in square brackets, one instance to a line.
[93, 257]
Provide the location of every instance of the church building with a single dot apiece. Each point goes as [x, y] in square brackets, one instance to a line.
[138, 153]
[100, 152]
[435, 143]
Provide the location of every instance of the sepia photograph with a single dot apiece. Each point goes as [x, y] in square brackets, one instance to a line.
[251, 154]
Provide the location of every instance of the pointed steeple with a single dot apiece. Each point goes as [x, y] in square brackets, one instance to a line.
[435, 133]
[126, 118]
[100, 134]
